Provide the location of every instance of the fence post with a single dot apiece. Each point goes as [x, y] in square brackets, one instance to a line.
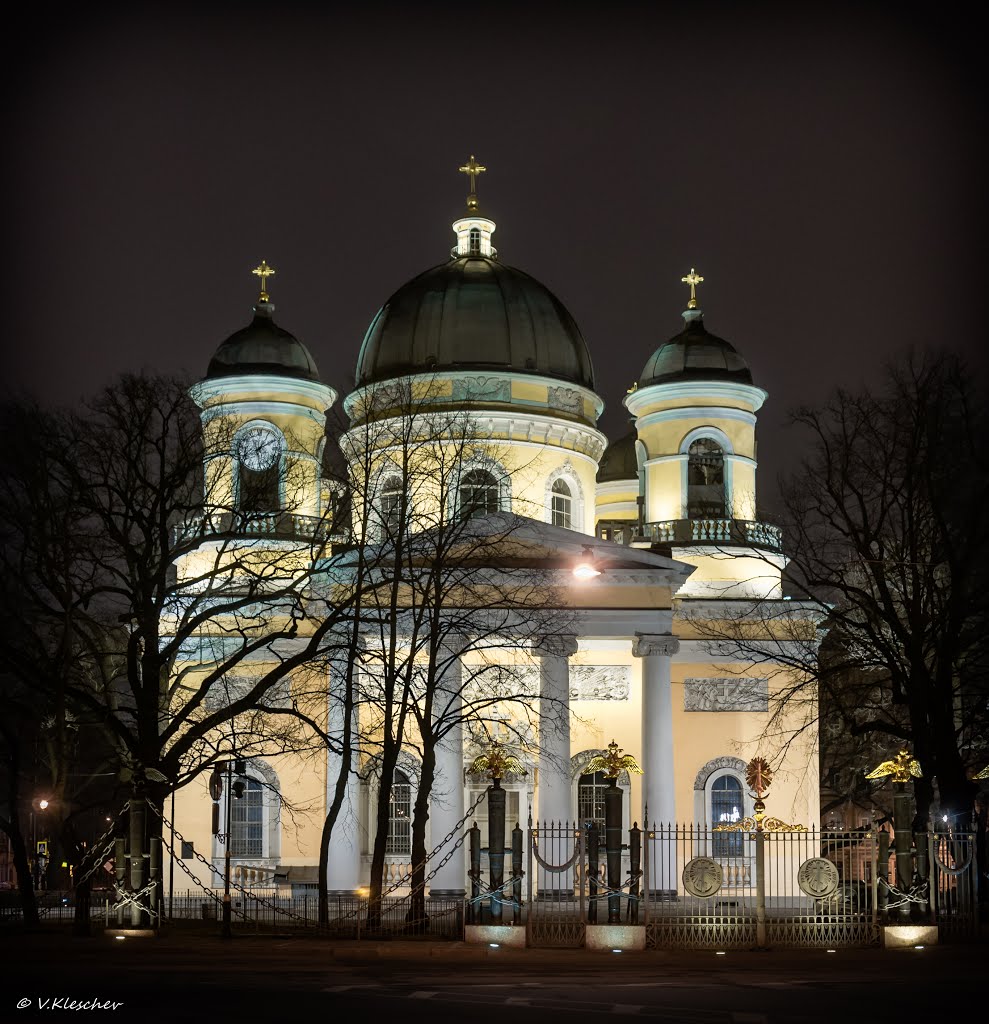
[645, 869]
[516, 874]
[634, 864]
[760, 886]
[593, 868]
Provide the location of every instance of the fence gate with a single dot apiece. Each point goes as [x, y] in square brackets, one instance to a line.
[953, 892]
[717, 890]
[557, 889]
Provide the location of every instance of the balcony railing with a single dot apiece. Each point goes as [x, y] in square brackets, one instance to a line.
[269, 525]
[744, 532]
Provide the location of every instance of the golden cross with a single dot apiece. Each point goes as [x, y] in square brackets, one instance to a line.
[472, 169]
[264, 272]
[693, 279]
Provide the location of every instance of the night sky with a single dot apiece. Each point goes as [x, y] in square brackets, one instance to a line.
[823, 171]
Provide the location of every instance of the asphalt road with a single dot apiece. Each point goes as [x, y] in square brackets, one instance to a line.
[174, 978]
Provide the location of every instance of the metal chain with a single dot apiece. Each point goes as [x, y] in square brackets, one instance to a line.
[401, 881]
[245, 892]
[261, 900]
[108, 838]
[917, 893]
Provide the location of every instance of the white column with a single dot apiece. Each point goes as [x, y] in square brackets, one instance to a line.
[657, 725]
[446, 801]
[343, 869]
[553, 796]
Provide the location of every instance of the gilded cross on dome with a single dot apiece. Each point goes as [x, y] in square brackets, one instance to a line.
[472, 169]
[693, 279]
[264, 272]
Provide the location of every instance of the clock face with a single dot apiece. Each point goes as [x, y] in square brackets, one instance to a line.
[259, 449]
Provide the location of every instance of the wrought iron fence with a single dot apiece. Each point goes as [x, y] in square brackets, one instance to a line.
[776, 888]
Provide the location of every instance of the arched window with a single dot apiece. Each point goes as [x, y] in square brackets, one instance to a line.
[390, 504]
[479, 494]
[727, 806]
[474, 242]
[705, 480]
[562, 505]
[400, 815]
[590, 800]
[247, 822]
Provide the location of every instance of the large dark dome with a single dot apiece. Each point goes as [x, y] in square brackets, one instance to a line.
[693, 354]
[619, 461]
[263, 348]
[474, 313]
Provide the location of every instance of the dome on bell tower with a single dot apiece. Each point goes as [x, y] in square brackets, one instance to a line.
[262, 347]
[694, 354]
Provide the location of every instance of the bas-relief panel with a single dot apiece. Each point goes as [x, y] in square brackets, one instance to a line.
[730, 694]
[600, 682]
[565, 400]
[488, 389]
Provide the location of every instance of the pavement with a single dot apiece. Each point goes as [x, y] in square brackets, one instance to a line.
[266, 978]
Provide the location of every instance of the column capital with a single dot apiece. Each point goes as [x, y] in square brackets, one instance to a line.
[562, 646]
[647, 644]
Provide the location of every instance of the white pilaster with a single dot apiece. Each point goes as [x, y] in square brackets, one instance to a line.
[446, 804]
[553, 796]
[343, 870]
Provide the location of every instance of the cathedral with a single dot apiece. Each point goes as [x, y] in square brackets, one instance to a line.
[652, 541]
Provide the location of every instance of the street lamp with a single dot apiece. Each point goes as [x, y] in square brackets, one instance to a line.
[585, 569]
[235, 790]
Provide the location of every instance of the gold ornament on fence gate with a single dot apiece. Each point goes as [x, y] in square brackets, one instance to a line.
[984, 774]
[612, 764]
[900, 768]
[759, 775]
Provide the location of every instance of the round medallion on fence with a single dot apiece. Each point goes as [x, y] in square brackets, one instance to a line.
[702, 877]
[817, 877]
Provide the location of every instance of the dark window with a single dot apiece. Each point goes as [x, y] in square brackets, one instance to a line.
[259, 489]
[247, 822]
[479, 494]
[400, 815]
[705, 480]
[187, 850]
[726, 807]
[391, 504]
[474, 242]
[562, 504]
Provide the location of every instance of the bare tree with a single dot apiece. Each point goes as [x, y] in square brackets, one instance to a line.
[453, 581]
[168, 590]
[886, 523]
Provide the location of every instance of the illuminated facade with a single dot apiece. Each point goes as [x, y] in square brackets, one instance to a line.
[665, 516]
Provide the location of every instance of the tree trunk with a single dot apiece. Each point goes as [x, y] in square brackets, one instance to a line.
[388, 762]
[25, 880]
[420, 818]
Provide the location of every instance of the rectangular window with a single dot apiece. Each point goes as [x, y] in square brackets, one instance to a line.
[187, 850]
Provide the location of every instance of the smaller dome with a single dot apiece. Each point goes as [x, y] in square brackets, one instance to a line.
[694, 354]
[263, 348]
[619, 461]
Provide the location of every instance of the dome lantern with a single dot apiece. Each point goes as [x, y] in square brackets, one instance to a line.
[473, 231]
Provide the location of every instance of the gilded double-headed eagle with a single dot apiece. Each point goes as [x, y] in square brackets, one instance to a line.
[612, 764]
[900, 768]
[496, 762]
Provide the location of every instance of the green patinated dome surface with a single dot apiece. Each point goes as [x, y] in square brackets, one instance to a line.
[263, 348]
[695, 354]
[474, 313]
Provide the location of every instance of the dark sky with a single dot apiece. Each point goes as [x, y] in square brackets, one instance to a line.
[822, 168]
